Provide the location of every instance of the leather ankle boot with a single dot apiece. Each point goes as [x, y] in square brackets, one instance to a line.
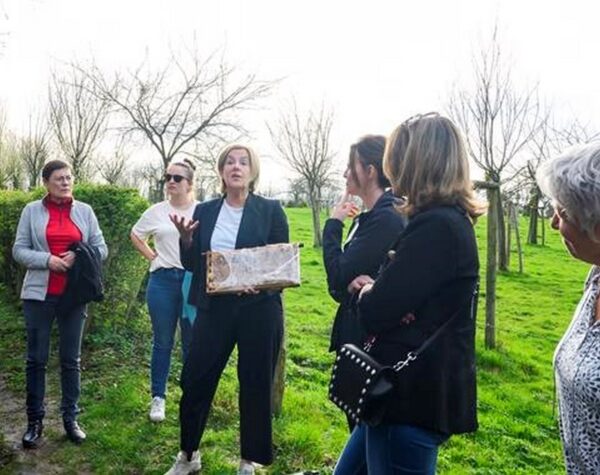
[33, 434]
[74, 432]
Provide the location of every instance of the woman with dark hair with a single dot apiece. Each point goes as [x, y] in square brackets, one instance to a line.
[46, 230]
[427, 281]
[252, 320]
[164, 294]
[370, 236]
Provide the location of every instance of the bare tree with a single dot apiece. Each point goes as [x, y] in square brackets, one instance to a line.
[34, 148]
[78, 117]
[549, 141]
[499, 121]
[188, 99]
[115, 170]
[302, 140]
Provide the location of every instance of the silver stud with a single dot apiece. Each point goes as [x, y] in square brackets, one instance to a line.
[358, 411]
[363, 391]
[373, 372]
[368, 368]
[368, 381]
[361, 400]
[338, 358]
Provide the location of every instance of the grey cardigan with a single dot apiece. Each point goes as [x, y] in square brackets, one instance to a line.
[31, 246]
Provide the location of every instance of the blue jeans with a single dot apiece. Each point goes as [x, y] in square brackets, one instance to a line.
[390, 449]
[165, 303]
[39, 316]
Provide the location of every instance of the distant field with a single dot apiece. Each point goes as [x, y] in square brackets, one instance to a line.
[518, 432]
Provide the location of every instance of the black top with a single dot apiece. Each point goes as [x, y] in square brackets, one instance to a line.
[263, 222]
[432, 275]
[361, 255]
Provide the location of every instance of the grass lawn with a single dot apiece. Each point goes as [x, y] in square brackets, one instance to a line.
[518, 432]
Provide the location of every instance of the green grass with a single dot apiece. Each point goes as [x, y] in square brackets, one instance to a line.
[518, 433]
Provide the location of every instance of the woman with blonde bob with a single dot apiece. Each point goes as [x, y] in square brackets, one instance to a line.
[252, 321]
[429, 279]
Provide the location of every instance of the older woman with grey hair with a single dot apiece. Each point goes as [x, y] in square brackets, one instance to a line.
[572, 180]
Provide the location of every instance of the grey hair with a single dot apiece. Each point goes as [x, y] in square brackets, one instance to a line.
[573, 180]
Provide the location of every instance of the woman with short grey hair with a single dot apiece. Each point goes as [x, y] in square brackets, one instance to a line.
[572, 180]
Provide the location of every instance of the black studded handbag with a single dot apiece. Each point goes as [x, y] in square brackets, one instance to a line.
[360, 386]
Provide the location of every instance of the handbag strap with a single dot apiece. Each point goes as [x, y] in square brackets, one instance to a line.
[413, 355]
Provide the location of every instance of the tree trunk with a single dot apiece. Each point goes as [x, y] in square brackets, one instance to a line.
[509, 227]
[315, 206]
[279, 376]
[502, 252]
[490, 273]
[532, 232]
[543, 231]
[514, 217]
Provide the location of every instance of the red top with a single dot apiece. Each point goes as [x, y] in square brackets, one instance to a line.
[60, 233]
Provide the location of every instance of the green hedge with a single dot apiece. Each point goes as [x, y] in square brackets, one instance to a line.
[117, 210]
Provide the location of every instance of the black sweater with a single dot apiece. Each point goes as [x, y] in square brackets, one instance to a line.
[363, 254]
[432, 275]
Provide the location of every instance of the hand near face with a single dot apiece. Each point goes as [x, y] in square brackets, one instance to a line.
[345, 208]
[185, 227]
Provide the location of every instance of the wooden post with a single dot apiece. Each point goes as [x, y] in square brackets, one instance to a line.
[279, 376]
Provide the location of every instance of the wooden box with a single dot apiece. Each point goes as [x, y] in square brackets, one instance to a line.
[274, 266]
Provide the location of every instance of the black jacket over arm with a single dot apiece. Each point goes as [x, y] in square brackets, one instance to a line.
[432, 275]
[362, 255]
[263, 222]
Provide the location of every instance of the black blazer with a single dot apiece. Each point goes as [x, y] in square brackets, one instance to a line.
[432, 275]
[263, 222]
[363, 254]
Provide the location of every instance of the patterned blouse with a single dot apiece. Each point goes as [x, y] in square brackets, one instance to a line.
[577, 372]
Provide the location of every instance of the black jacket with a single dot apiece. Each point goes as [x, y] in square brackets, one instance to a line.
[263, 222]
[432, 275]
[363, 254]
[84, 281]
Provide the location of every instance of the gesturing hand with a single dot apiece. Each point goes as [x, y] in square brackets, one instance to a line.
[345, 208]
[185, 227]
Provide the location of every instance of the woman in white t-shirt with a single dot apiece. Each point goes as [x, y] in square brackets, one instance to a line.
[164, 295]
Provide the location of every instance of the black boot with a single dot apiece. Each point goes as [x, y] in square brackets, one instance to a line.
[33, 434]
[73, 431]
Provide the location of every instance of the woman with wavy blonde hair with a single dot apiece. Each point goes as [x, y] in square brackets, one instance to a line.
[427, 283]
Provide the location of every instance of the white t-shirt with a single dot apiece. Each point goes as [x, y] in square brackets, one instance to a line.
[226, 229]
[155, 222]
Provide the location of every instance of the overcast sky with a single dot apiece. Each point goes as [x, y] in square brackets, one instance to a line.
[376, 62]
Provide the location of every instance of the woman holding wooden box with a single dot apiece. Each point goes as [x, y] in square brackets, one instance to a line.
[252, 319]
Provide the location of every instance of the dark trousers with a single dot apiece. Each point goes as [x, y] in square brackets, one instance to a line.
[39, 316]
[257, 330]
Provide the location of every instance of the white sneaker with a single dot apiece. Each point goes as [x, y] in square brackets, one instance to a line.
[157, 409]
[183, 466]
[246, 468]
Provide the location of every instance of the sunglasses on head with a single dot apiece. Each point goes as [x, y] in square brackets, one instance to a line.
[176, 178]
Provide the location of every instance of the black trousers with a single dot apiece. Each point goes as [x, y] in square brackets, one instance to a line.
[257, 329]
[39, 317]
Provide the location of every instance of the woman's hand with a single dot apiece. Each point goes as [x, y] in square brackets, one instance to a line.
[359, 283]
[186, 228]
[345, 208]
[57, 264]
[249, 291]
[68, 258]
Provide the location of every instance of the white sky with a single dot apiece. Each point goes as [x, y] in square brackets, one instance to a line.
[376, 62]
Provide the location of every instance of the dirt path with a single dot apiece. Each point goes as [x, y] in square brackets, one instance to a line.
[13, 458]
